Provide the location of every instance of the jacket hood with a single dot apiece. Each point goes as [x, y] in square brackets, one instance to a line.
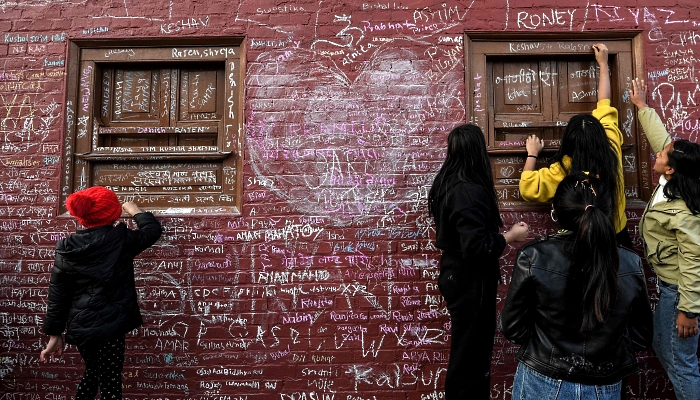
[93, 252]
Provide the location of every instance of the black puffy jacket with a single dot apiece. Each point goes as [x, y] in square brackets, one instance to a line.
[536, 316]
[92, 294]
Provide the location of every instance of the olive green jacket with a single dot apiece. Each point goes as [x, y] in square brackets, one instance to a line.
[671, 233]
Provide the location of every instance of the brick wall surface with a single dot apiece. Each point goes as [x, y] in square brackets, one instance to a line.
[325, 287]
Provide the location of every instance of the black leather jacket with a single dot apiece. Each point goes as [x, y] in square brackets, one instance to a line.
[535, 315]
[92, 292]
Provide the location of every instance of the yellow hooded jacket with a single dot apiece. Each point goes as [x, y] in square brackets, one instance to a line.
[540, 185]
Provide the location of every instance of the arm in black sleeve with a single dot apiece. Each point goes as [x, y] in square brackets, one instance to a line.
[60, 298]
[476, 237]
[515, 318]
[640, 317]
[148, 233]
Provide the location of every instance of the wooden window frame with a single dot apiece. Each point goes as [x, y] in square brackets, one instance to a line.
[82, 151]
[481, 46]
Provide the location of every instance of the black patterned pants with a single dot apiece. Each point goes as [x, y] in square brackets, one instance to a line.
[104, 362]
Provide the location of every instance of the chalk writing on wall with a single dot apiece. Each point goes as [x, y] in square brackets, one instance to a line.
[325, 286]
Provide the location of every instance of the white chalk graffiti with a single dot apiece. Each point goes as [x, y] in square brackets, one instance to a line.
[348, 143]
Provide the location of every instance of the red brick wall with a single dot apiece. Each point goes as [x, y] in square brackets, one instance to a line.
[325, 287]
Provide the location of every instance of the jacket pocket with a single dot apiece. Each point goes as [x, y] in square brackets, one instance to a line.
[463, 294]
[664, 251]
[449, 286]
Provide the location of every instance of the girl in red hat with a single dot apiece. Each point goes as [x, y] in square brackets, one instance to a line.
[92, 294]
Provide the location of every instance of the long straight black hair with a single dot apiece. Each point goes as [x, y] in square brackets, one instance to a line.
[685, 184]
[468, 160]
[585, 141]
[583, 207]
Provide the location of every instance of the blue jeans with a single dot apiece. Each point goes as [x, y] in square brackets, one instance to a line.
[530, 384]
[677, 355]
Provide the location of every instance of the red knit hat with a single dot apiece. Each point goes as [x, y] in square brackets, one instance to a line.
[94, 206]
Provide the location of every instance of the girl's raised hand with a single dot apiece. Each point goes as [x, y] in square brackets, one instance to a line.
[638, 93]
[534, 145]
[601, 53]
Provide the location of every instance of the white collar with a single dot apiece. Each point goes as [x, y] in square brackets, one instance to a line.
[659, 194]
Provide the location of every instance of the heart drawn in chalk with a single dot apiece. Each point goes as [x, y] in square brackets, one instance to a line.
[349, 149]
[507, 171]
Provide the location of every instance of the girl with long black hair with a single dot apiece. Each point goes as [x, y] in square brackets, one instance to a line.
[577, 303]
[462, 200]
[670, 228]
[591, 143]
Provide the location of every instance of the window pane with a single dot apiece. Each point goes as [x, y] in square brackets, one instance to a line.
[200, 96]
[130, 95]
